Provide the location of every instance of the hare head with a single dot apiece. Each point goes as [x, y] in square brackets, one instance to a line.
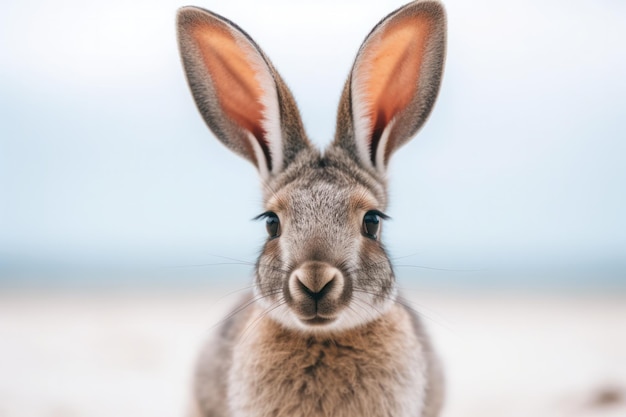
[323, 267]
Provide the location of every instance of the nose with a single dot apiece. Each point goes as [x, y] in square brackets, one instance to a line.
[315, 288]
[316, 280]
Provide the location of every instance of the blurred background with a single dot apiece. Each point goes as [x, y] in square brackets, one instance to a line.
[125, 225]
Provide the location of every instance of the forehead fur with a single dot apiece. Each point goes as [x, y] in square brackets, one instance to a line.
[333, 176]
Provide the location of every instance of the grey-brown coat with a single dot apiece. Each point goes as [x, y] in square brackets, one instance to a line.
[323, 333]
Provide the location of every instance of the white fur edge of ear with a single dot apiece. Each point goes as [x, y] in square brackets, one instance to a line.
[363, 128]
[361, 113]
[381, 149]
[261, 163]
[270, 121]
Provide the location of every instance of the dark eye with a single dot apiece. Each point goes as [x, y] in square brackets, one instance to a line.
[371, 224]
[272, 224]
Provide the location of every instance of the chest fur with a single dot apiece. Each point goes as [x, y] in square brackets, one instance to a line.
[376, 371]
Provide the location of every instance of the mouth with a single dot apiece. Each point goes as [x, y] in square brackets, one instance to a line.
[317, 321]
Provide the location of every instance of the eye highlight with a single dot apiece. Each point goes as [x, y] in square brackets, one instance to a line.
[272, 223]
[371, 223]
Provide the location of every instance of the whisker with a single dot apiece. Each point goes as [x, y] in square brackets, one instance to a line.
[371, 305]
[245, 333]
[244, 306]
[364, 305]
[393, 258]
[208, 264]
[360, 316]
[228, 258]
[408, 305]
[228, 294]
[432, 268]
[249, 287]
[242, 263]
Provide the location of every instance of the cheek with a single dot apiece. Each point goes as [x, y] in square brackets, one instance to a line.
[270, 269]
[375, 269]
[371, 251]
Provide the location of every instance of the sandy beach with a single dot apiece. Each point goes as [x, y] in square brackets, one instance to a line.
[129, 353]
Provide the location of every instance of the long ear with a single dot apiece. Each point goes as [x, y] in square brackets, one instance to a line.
[238, 92]
[393, 84]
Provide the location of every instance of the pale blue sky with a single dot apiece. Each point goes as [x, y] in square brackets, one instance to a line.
[104, 156]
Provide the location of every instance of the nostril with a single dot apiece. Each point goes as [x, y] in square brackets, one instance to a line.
[326, 288]
[316, 295]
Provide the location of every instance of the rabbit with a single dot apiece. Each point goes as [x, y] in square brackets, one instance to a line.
[324, 332]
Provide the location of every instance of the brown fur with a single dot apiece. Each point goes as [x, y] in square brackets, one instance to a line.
[323, 333]
[319, 375]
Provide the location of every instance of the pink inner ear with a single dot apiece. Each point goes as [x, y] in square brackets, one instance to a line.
[234, 80]
[393, 64]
